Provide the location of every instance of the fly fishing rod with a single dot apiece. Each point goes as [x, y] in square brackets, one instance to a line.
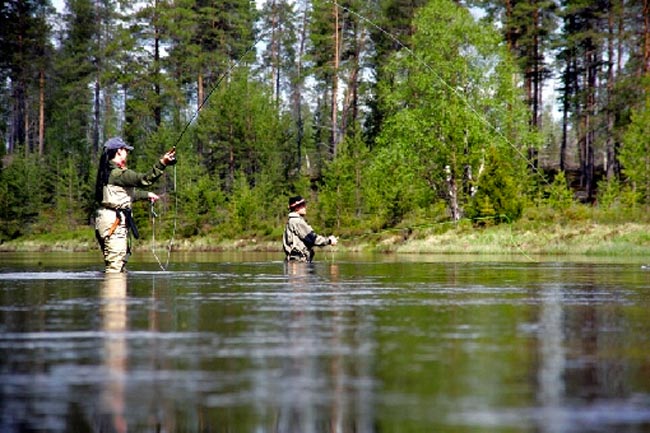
[195, 114]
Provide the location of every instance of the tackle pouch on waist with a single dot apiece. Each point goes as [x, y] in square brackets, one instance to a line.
[130, 223]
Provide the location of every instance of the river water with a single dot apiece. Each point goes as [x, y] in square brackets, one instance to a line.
[245, 343]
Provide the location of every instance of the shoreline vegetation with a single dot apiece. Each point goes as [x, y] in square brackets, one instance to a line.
[558, 238]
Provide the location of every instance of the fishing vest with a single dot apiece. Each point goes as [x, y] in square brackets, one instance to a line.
[299, 239]
[117, 197]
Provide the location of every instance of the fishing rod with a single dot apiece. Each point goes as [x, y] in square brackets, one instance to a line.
[195, 114]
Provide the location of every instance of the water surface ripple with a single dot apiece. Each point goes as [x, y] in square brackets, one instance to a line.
[361, 344]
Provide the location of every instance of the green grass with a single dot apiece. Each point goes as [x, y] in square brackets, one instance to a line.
[549, 239]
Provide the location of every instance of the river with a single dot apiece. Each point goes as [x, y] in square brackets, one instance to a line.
[352, 343]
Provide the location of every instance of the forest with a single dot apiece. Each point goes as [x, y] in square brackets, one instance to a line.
[382, 113]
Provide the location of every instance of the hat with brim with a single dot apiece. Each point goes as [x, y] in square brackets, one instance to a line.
[296, 202]
[116, 143]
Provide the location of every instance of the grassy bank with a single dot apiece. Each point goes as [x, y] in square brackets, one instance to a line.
[554, 239]
[583, 238]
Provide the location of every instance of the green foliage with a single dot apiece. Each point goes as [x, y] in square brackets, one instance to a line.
[390, 188]
[74, 72]
[239, 130]
[21, 195]
[341, 195]
[619, 203]
[72, 190]
[242, 206]
[609, 193]
[252, 210]
[635, 153]
[441, 129]
[197, 194]
[436, 138]
[200, 201]
[558, 194]
[499, 194]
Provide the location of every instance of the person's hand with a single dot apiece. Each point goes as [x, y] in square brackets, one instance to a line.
[333, 240]
[169, 158]
[153, 197]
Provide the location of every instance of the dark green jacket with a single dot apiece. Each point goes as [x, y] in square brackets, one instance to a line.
[121, 189]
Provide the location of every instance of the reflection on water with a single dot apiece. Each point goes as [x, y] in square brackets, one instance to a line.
[356, 345]
[552, 359]
[114, 323]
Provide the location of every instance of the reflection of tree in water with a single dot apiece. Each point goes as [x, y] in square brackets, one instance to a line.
[589, 321]
[571, 345]
[324, 385]
[552, 360]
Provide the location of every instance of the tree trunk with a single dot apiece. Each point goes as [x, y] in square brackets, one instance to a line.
[157, 109]
[41, 113]
[199, 105]
[510, 40]
[335, 83]
[646, 37]
[610, 154]
[199, 91]
[96, 115]
[565, 128]
[590, 109]
[537, 71]
[452, 195]
[351, 105]
[231, 159]
[26, 127]
[275, 56]
[297, 91]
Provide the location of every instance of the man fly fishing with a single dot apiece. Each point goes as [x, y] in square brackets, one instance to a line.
[299, 238]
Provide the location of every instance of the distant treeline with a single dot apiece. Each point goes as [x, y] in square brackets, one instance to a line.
[382, 113]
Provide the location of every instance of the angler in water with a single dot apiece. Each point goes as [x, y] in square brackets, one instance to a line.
[299, 238]
[115, 190]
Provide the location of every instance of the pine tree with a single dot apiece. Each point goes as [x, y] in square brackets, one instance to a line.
[25, 48]
[75, 69]
[279, 55]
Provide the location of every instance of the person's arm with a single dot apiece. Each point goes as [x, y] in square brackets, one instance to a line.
[128, 178]
[311, 238]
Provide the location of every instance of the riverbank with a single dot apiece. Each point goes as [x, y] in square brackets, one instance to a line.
[591, 239]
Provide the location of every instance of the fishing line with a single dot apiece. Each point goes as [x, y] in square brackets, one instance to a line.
[180, 136]
[460, 96]
[170, 245]
[154, 215]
